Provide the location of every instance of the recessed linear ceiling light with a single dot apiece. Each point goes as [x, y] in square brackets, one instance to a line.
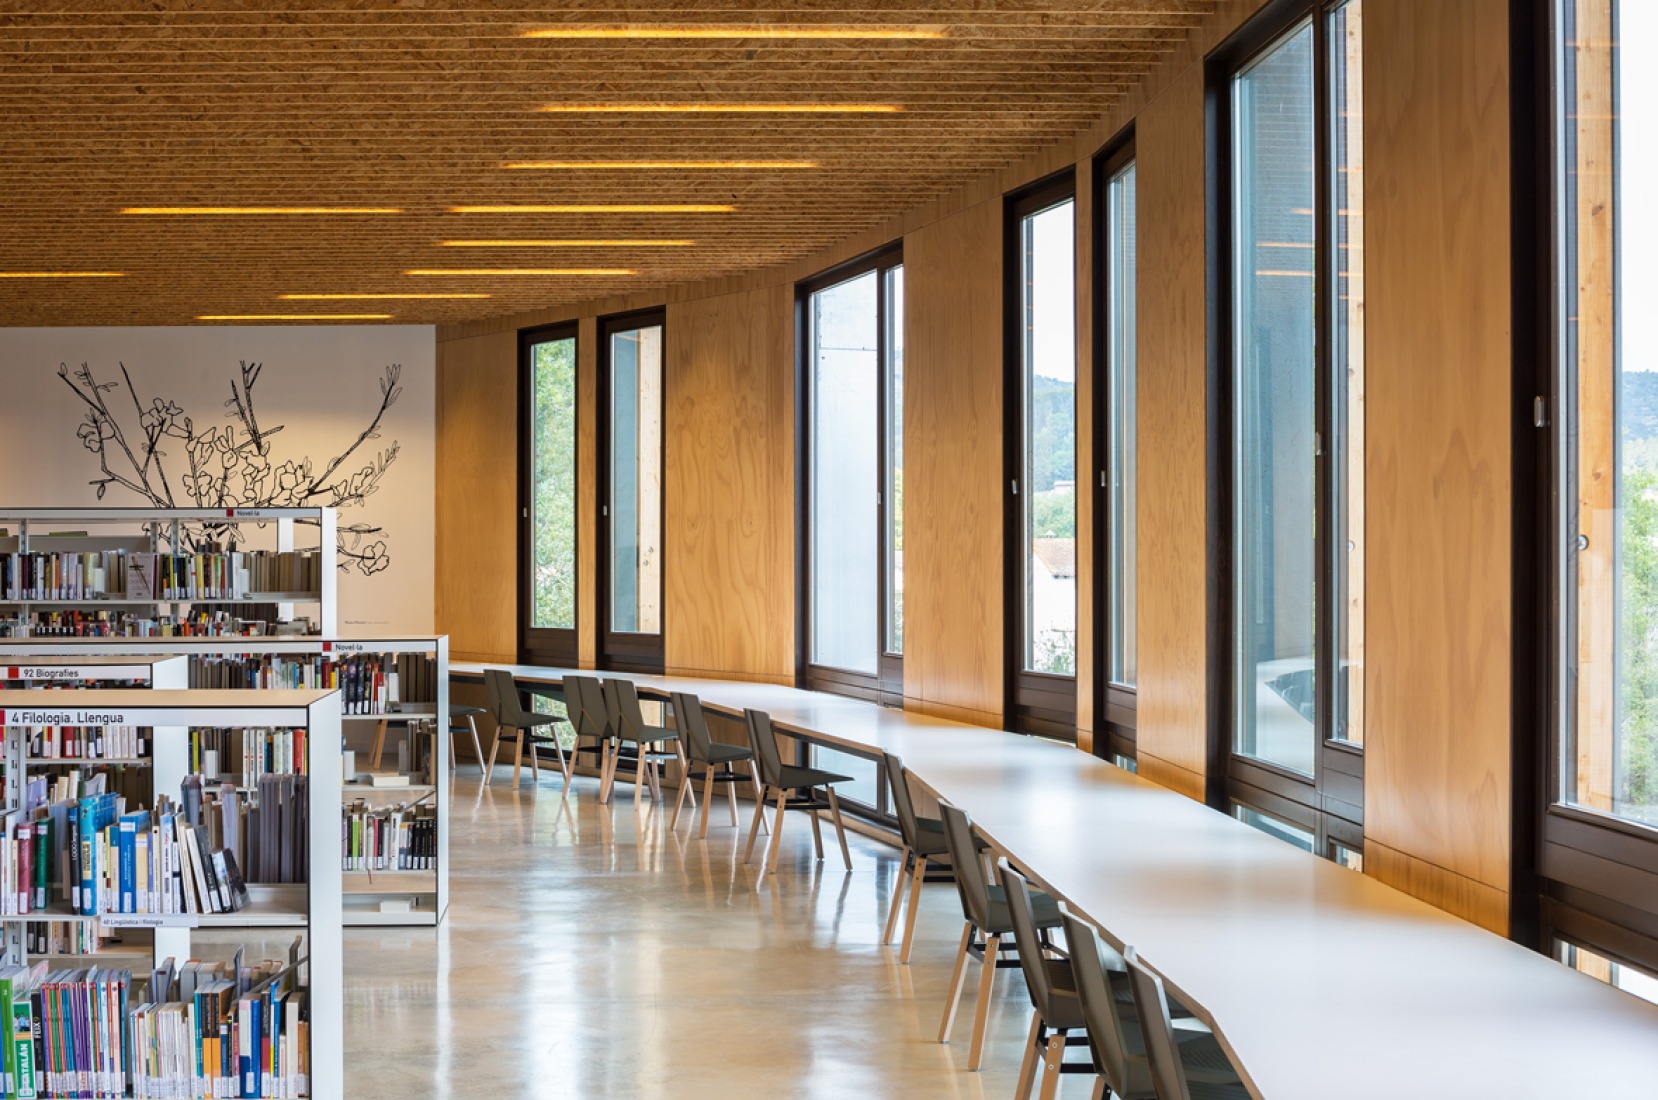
[368, 297]
[261, 210]
[493, 271]
[723, 108]
[62, 274]
[717, 31]
[600, 208]
[294, 317]
[691, 165]
[643, 243]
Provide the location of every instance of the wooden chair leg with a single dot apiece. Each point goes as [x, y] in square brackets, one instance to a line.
[472, 724]
[897, 897]
[653, 775]
[957, 978]
[685, 783]
[817, 834]
[777, 833]
[707, 803]
[517, 757]
[754, 829]
[759, 792]
[1052, 1058]
[840, 828]
[563, 761]
[981, 1013]
[568, 763]
[916, 878]
[607, 770]
[731, 801]
[679, 802]
[1100, 1091]
[639, 774]
[535, 757]
[1027, 1068]
[489, 765]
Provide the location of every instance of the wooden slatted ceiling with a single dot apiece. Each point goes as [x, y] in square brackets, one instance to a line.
[416, 106]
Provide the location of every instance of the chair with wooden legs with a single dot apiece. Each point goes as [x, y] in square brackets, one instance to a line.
[1109, 1017]
[652, 745]
[1052, 986]
[590, 717]
[1173, 1075]
[713, 757]
[985, 909]
[924, 848]
[464, 717]
[790, 788]
[509, 714]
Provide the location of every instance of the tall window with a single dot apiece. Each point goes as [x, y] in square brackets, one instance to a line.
[1600, 823]
[853, 382]
[1290, 94]
[547, 629]
[631, 495]
[1043, 488]
[1115, 445]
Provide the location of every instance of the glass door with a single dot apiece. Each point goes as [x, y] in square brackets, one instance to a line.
[630, 492]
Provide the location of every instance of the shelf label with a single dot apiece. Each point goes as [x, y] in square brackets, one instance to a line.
[149, 920]
[247, 513]
[74, 672]
[344, 647]
[66, 716]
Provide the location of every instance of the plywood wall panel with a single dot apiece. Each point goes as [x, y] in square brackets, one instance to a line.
[729, 548]
[1172, 547]
[477, 496]
[1437, 771]
[953, 489]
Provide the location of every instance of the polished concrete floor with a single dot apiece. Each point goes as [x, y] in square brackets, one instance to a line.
[589, 952]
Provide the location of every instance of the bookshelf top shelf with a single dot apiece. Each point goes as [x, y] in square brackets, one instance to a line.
[76, 669]
[222, 644]
[145, 515]
[171, 707]
[98, 601]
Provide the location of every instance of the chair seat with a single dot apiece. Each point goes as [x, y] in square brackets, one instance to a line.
[531, 719]
[1065, 1013]
[932, 838]
[809, 777]
[464, 710]
[1042, 905]
[727, 754]
[647, 735]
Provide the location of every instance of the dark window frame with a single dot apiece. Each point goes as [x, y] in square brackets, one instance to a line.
[1116, 708]
[558, 647]
[1040, 703]
[627, 652]
[886, 686]
[1336, 787]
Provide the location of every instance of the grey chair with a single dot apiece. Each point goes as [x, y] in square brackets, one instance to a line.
[584, 702]
[1175, 1073]
[924, 849]
[984, 908]
[1052, 986]
[652, 745]
[509, 714]
[791, 788]
[464, 717]
[714, 757]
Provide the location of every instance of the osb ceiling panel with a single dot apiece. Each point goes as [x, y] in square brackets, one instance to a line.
[416, 107]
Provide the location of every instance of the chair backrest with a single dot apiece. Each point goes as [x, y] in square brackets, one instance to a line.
[589, 714]
[692, 725]
[966, 868]
[900, 788]
[1099, 1011]
[1031, 959]
[764, 742]
[504, 706]
[572, 704]
[623, 703]
[1151, 1005]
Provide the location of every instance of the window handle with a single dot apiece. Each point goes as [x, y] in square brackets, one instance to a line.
[1015, 484]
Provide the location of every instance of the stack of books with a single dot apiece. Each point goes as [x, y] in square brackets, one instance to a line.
[388, 838]
[140, 576]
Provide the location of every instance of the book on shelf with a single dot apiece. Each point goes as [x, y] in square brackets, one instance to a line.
[240, 622]
[142, 576]
[388, 838]
[369, 683]
[259, 751]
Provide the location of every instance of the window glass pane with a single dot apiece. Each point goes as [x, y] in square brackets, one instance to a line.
[1274, 388]
[845, 439]
[1347, 338]
[1120, 476]
[1609, 143]
[553, 492]
[1049, 489]
[1350, 858]
[1274, 826]
[636, 480]
[1627, 978]
[894, 494]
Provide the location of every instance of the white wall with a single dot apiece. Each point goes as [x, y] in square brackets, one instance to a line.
[320, 385]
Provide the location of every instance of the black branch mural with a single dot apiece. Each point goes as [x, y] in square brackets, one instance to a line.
[157, 453]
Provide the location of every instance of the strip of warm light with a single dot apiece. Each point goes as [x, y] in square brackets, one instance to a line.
[62, 274]
[658, 165]
[724, 108]
[600, 208]
[368, 297]
[900, 34]
[491, 271]
[261, 210]
[642, 243]
[294, 317]
[1271, 274]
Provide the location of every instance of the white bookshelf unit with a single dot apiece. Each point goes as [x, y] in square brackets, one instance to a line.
[143, 530]
[383, 899]
[314, 907]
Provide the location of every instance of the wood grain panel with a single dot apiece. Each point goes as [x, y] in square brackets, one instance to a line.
[729, 549]
[1172, 776]
[587, 492]
[477, 497]
[1171, 546]
[953, 491]
[1437, 770]
[1457, 894]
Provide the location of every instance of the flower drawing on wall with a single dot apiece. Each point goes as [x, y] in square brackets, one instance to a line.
[158, 452]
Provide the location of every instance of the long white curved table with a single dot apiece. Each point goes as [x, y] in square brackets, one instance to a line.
[1324, 984]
